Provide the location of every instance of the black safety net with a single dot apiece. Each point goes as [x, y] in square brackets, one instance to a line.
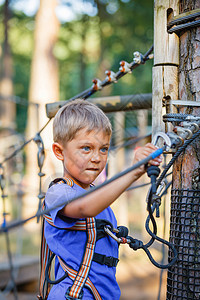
[183, 280]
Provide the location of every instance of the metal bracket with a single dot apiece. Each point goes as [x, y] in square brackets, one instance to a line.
[182, 103]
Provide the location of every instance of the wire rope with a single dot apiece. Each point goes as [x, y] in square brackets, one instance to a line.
[46, 211]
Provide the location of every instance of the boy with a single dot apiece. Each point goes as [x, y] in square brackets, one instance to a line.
[82, 135]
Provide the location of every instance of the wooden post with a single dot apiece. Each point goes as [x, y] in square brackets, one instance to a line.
[166, 61]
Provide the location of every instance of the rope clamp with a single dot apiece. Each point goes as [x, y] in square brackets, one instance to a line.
[111, 76]
[125, 67]
[138, 58]
[97, 84]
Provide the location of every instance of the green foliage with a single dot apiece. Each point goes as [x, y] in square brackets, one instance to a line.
[20, 37]
[86, 48]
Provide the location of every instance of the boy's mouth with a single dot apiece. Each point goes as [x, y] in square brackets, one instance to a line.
[92, 169]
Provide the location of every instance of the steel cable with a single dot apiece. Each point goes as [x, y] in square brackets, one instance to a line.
[46, 211]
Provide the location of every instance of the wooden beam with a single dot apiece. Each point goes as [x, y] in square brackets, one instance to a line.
[110, 104]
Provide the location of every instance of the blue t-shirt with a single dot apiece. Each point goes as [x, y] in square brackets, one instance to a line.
[70, 244]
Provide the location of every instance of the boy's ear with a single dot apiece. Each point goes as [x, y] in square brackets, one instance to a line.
[58, 151]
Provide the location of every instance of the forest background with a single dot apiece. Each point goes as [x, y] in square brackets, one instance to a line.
[99, 35]
[47, 57]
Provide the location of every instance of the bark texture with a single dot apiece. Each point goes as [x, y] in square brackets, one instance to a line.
[184, 276]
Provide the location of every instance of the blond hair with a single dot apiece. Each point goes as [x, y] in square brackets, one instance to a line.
[76, 115]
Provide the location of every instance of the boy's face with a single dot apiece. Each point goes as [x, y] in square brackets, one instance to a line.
[85, 156]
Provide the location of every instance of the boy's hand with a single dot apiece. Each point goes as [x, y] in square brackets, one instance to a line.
[141, 153]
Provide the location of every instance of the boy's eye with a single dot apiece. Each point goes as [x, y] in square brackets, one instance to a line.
[104, 149]
[86, 148]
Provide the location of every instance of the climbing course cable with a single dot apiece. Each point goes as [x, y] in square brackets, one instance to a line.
[111, 77]
[151, 206]
[184, 22]
[20, 148]
[97, 85]
[125, 68]
[46, 211]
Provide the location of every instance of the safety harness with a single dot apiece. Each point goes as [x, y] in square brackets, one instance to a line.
[95, 230]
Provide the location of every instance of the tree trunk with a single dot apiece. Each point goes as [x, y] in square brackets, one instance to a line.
[184, 276]
[44, 87]
[84, 28]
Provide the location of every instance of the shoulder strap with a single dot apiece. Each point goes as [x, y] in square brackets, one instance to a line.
[72, 274]
[76, 290]
[45, 254]
[67, 180]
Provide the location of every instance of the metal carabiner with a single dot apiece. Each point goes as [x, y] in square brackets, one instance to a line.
[165, 137]
[111, 234]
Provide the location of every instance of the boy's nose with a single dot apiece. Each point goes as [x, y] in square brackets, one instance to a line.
[95, 157]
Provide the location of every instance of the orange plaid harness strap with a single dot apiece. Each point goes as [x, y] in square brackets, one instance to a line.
[76, 290]
[95, 230]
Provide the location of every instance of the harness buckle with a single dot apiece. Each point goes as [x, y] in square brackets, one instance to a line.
[110, 261]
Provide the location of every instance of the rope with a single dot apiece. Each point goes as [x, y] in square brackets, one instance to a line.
[163, 247]
[175, 117]
[23, 145]
[183, 22]
[145, 184]
[130, 142]
[18, 100]
[87, 93]
[183, 19]
[46, 211]
[84, 95]
[182, 27]
[114, 77]
[151, 208]
[179, 151]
